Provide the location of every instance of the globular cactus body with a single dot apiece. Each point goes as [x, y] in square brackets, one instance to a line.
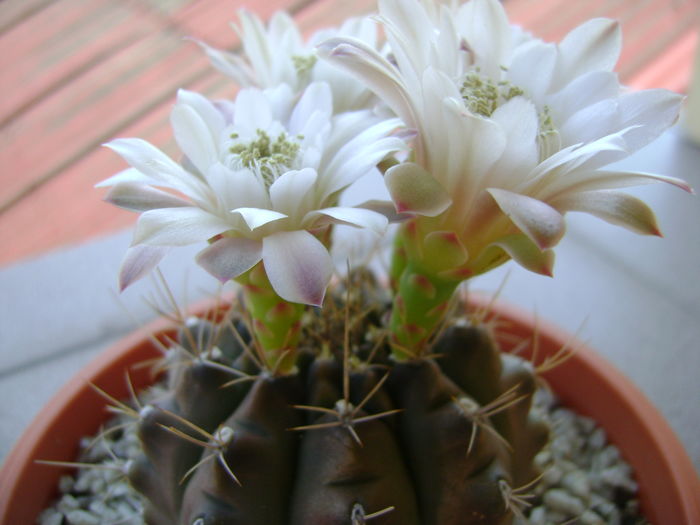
[427, 441]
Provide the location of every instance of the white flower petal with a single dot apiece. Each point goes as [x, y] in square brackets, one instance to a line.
[592, 46]
[651, 112]
[130, 175]
[207, 110]
[197, 134]
[484, 24]
[518, 119]
[177, 226]
[230, 64]
[298, 266]
[257, 217]
[526, 253]
[252, 111]
[138, 261]
[156, 165]
[582, 180]
[317, 97]
[532, 69]
[237, 188]
[365, 63]
[583, 91]
[413, 189]
[358, 154]
[591, 123]
[543, 224]
[614, 207]
[386, 208]
[359, 217]
[292, 189]
[229, 257]
[140, 197]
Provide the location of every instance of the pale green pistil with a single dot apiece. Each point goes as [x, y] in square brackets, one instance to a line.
[268, 157]
[483, 96]
[548, 136]
[304, 64]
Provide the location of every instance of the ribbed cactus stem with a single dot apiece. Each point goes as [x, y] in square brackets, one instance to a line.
[276, 322]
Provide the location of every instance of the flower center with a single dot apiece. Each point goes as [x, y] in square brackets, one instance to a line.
[483, 96]
[268, 157]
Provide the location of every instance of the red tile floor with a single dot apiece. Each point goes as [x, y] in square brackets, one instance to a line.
[77, 73]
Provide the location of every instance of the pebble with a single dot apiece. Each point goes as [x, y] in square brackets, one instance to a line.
[578, 484]
[82, 517]
[561, 501]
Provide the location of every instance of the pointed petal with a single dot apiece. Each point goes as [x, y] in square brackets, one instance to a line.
[591, 123]
[317, 97]
[140, 197]
[358, 152]
[592, 46]
[361, 218]
[539, 221]
[484, 23]
[298, 265]
[518, 119]
[156, 165]
[177, 226]
[131, 175]
[650, 112]
[292, 189]
[252, 111]
[541, 56]
[413, 189]
[229, 64]
[616, 208]
[581, 92]
[386, 208]
[363, 62]
[138, 261]
[229, 257]
[197, 134]
[523, 251]
[207, 110]
[257, 217]
[237, 188]
[582, 180]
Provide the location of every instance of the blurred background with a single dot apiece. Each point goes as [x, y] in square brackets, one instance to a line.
[77, 73]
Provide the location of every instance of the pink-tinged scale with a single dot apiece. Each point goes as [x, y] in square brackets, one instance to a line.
[422, 283]
[279, 312]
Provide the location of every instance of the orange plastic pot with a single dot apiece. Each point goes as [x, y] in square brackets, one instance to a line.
[669, 485]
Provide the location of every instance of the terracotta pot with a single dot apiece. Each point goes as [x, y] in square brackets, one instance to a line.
[669, 485]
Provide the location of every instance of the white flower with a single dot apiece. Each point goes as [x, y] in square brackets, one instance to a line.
[260, 180]
[512, 132]
[277, 54]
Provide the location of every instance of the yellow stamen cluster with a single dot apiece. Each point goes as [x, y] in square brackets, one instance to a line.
[267, 156]
[482, 95]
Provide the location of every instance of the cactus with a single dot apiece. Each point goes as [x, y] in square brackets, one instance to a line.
[382, 405]
[347, 436]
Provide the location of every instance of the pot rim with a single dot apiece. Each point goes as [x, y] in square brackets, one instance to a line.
[631, 422]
